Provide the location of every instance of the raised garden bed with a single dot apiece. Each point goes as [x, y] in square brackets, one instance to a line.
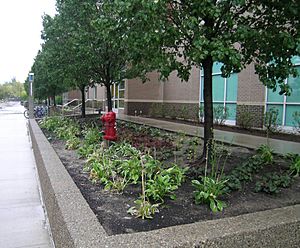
[111, 209]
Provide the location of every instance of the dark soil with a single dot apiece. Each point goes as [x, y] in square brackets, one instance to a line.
[257, 132]
[111, 209]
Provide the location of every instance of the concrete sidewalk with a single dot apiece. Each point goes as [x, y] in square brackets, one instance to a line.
[22, 218]
[245, 140]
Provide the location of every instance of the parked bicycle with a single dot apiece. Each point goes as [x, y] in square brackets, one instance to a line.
[38, 112]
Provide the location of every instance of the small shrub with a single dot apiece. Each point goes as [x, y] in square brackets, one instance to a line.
[246, 119]
[143, 209]
[193, 148]
[184, 112]
[51, 123]
[220, 114]
[86, 150]
[73, 143]
[295, 164]
[266, 154]
[201, 114]
[296, 121]
[271, 120]
[172, 112]
[272, 182]
[245, 172]
[164, 183]
[208, 190]
[212, 186]
[92, 136]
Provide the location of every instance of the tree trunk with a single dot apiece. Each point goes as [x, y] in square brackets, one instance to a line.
[54, 101]
[108, 95]
[83, 101]
[208, 107]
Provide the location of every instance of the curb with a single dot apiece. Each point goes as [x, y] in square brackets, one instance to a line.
[73, 223]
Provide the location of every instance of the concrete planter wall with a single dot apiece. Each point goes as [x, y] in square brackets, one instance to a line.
[73, 223]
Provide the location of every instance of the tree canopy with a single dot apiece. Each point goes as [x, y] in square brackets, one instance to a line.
[199, 33]
[106, 41]
[12, 89]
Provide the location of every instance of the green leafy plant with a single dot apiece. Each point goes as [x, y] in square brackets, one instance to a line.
[296, 121]
[86, 150]
[272, 182]
[67, 131]
[164, 183]
[245, 172]
[143, 208]
[51, 123]
[210, 187]
[92, 136]
[131, 168]
[184, 112]
[266, 154]
[295, 164]
[271, 120]
[245, 119]
[201, 113]
[102, 171]
[193, 148]
[208, 190]
[220, 114]
[73, 143]
[179, 140]
[116, 183]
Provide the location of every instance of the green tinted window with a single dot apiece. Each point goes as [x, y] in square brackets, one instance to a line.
[290, 109]
[121, 93]
[201, 85]
[294, 83]
[217, 67]
[218, 88]
[231, 108]
[232, 83]
[278, 107]
[296, 60]
[121, 104]
[274, 96]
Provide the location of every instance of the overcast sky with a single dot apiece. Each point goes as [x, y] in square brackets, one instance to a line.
[20, 35]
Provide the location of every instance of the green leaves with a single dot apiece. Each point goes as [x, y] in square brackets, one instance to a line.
[208, 189]
[143, 209]
[272, 182]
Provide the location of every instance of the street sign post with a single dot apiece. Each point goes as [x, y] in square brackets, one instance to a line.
[30, 102]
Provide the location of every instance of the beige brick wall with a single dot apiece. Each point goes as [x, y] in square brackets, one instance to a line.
[136, 90]
[176, 90]
[250, 90]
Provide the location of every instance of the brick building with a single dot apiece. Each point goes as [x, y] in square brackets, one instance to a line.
[239, 94]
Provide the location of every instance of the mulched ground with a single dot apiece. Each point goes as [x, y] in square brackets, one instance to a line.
[111, 209]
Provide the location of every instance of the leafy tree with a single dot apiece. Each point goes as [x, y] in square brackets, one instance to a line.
[12, 89]
[97, 47]
[181, 34]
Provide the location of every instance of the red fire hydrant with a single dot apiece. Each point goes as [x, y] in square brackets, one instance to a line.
[109, 121]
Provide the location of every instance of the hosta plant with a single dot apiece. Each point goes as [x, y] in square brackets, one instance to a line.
[208, 190]
[295, 164]
[72, 143]
[143, 209]
[266, 154]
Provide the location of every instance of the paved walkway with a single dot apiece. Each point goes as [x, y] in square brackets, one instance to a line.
[245, 140]
[22, 219]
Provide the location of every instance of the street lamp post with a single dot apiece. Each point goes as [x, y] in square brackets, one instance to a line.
[30, 102]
